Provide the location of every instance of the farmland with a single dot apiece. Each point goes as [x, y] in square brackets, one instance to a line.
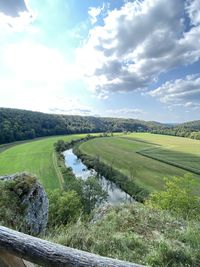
[36, 157]
[148, 158]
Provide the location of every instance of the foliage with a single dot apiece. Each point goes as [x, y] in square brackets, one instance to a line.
[187, 129]
[137, 234]
[64, 207]
[12, 193]
[123, 181]
[178, 197]
[92, 194]
[60, 146]
[90, 191]
[78, 198]
[17, 125]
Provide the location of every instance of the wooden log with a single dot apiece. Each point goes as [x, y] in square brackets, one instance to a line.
[49, 254]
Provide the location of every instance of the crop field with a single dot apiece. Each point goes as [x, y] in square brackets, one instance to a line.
[36, 157]
[148, 158]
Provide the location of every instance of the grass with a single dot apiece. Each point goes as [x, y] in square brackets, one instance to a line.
[182, 152]
[36, 157]
[143, 236]
[122, 153]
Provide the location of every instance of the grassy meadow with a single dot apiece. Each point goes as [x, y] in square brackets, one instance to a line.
[145, 157]
[127, 154]
[36, 157]
[183, 152]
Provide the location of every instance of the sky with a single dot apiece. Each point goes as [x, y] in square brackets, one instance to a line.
[119, 58]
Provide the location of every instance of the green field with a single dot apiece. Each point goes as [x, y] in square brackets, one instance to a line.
[36, 157]
[147, 158]
[126, 153]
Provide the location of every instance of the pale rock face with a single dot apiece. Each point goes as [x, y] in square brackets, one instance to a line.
[36, 202]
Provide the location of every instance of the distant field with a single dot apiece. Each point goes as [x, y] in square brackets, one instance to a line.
[36, 157]
[126, 154]
[181, 152]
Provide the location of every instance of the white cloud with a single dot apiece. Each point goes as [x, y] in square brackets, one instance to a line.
[16, 17]
[137, 42]
[125, 112]
[180, 93]
[32, 75]
[70, 106]
[94, 12]
[193, 9]
[29, 61]
[16, 23]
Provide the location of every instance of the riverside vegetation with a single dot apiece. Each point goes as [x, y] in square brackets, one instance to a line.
[161, 232]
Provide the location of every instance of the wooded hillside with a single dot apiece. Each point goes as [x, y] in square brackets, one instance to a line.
[19, 125]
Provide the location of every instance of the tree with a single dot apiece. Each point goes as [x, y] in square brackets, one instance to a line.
[179, 197]
[64, 207]
[93, 194]
[60, 146]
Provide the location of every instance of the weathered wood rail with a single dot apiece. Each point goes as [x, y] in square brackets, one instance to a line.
[16, 247]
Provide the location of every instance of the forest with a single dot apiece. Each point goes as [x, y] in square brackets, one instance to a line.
[188, 129]
[18, 125]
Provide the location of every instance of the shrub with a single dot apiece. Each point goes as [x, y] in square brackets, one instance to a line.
[12, 193]
[179, 197]
[64, 207]
[92, 194]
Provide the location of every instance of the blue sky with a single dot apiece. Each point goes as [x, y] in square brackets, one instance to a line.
[133, 59]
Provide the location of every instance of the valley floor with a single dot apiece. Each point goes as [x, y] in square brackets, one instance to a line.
[148, 158]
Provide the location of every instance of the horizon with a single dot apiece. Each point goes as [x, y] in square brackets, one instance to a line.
[118, 59]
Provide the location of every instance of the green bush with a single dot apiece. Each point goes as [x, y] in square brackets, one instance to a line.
[64, 207]
[178, 197]
[92, 194]
[12, 193]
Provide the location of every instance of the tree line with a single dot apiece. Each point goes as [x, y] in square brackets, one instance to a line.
[17, 125]
[188, 130]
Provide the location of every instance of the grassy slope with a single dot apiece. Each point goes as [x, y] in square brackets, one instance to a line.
[137, 234]
[121, 153]
[35, 157]
[183, 151]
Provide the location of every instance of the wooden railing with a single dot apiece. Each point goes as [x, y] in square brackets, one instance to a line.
[21, 250]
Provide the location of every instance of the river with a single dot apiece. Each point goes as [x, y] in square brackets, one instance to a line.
[115, 194]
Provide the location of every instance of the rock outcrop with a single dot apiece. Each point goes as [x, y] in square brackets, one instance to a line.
[33, 199]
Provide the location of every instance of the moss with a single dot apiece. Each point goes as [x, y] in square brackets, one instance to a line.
[12, 193]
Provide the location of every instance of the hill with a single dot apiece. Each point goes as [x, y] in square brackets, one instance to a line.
[189, 129]
[193, 125]
[17, 125]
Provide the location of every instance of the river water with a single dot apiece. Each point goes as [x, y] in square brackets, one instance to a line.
[115, 194]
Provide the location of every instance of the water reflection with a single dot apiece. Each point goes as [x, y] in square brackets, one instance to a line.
[115, 194]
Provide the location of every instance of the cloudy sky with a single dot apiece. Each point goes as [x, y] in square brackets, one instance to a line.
[120, 58]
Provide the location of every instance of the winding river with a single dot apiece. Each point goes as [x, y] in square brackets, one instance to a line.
[115, 194]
